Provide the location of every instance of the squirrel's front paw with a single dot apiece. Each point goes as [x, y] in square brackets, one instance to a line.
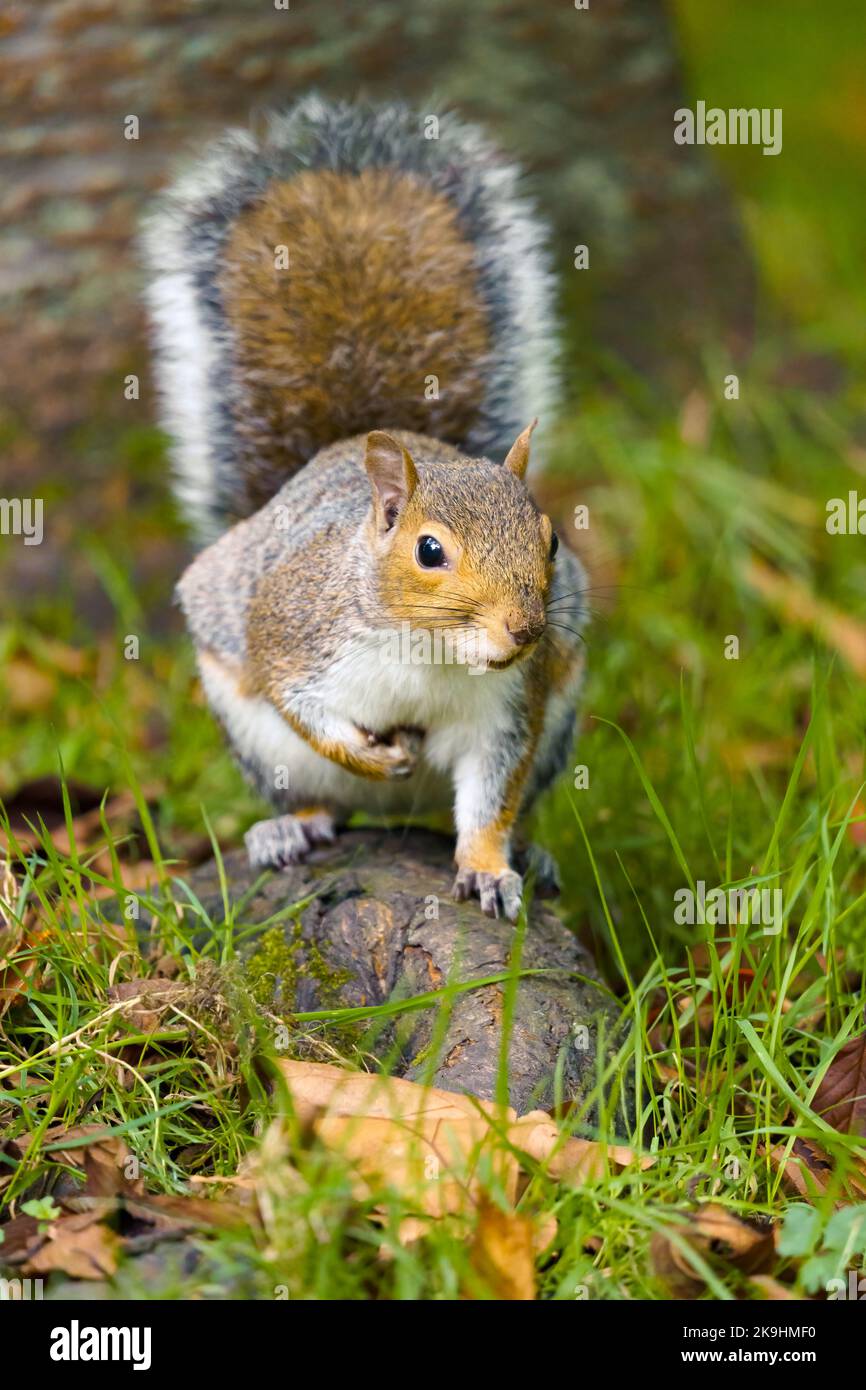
[499, 894]
[393, 755]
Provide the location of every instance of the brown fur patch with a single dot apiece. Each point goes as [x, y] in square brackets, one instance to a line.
[380, 293]
[484, 852]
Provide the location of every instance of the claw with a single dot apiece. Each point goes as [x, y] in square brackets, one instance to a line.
[499, 895]
[510, 892]
[285, 840]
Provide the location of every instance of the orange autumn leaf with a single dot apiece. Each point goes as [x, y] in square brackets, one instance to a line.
[503, 1253]
[798, 605]
[718, 1236]
[841, 1097]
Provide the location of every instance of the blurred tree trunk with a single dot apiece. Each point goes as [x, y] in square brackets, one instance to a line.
[585, 98]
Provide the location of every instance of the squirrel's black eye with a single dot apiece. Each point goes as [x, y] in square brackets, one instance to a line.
[429, 553]
[554, 545]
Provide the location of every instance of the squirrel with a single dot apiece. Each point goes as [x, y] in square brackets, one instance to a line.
[352, 324]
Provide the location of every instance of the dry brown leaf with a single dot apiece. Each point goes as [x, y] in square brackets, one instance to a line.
[372, 1118]
[796, 602]
[318, 1089]
[545, 1229]
[573, 1161]
[174, 1213]
[841, 1097]
[808, 1170]
[80, 1242]
[503, 1253]
[109, 1168]
[147, 1000]
[28, 686]
[437, 1148]
[715, 1233]
[79, 1245]
[42, 800]
[431, 1160]
[18, 941]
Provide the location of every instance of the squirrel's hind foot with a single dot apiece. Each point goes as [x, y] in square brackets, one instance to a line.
[532, 859]
[272, 844]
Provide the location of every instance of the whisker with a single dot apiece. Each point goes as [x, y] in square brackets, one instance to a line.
[563, 627]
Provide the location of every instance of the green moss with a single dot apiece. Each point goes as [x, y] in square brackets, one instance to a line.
[281, 957]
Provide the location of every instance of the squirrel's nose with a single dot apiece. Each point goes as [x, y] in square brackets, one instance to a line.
[522, 636]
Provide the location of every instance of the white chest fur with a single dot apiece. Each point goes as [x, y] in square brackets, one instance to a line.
[455, 708]
[380, 688]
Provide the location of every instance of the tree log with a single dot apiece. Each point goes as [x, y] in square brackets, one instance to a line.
[382, 926]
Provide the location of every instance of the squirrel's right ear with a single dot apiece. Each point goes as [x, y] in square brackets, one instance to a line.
[392, 473]
[517, 458]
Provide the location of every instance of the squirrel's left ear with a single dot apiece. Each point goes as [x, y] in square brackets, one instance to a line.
[392, 472]
[517, 458]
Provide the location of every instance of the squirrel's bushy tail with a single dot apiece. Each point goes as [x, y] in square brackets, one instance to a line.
[355, 268]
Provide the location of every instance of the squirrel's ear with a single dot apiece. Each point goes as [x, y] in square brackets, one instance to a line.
[517, 458]
[391, 471]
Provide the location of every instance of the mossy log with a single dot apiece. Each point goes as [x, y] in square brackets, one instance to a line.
[381, 925]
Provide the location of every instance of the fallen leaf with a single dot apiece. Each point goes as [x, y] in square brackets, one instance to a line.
[432, 1161]
[318, 1089]
[28, 687]
[796, 603]
[18, 941]
[170, 1212]
[503, 1253]
[79, 1245]
[109, 1168]
[572, 1161]
[841, 1097]
[42, 801]
[808, 1171]
[717, 1235]
[428, 1144]
[147, 1000]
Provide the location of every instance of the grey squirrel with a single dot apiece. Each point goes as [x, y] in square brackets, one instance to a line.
[352, 321]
